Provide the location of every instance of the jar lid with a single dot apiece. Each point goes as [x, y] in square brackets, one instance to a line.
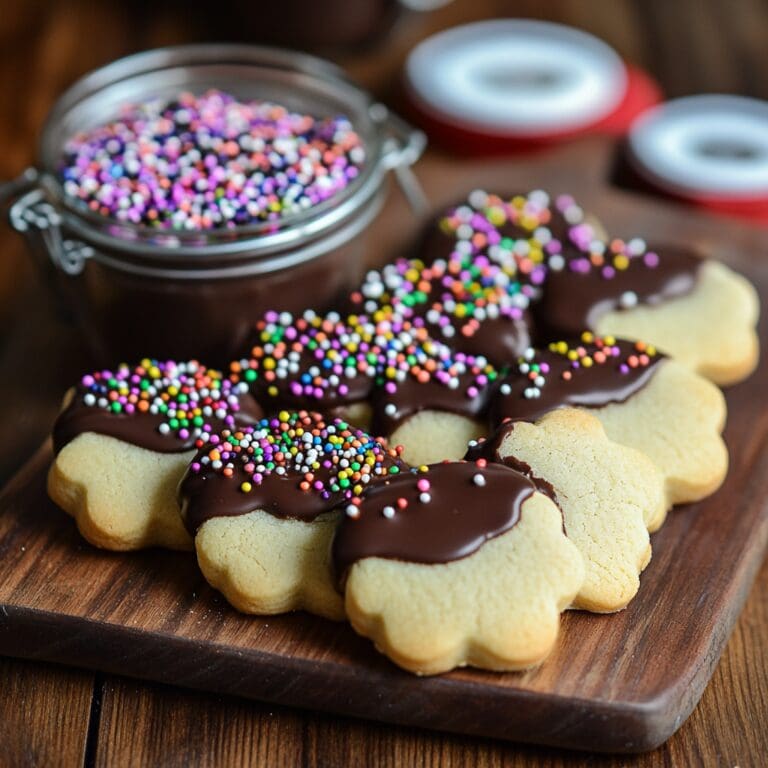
[712, 148]
[515, 78]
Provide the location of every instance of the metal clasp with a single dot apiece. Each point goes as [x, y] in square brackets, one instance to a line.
[402, 148]
[32, 211]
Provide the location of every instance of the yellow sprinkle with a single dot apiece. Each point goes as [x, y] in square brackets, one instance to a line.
[573, 354]
[609, 340]
[587, 337]
[621, 262]
[269, 364]
[586, 361]
[496, 216]
[245, 487]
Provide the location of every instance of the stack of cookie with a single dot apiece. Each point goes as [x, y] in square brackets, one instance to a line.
[482, 437]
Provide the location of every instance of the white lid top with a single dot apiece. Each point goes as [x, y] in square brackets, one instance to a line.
[708, 145]
[515, 77]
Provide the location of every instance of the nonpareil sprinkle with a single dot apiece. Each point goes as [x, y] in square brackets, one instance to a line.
[210, 161]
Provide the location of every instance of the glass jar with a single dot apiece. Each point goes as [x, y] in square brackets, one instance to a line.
[138, 291]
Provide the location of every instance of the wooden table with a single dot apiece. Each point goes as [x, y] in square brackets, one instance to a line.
[53, 716]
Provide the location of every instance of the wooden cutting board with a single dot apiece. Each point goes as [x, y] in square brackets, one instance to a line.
[621, 683]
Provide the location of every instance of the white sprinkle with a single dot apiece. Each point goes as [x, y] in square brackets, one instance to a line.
[388, 512]
[390, 409]
[352, 511]
[628, 299]
[479, 480]
[556, 262]
[505, 389]
[425, 498]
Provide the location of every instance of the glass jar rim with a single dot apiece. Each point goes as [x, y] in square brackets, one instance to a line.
[311, 75]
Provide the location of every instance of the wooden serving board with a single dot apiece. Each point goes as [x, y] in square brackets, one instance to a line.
[623, 682]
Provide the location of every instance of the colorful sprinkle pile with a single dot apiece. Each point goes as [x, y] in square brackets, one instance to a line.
[592, 351]
[589, 252]
[210, 161]
[321, 358]
[329, 458]
[513, 234]
[540, 234]
[187, 397]
[450, 296]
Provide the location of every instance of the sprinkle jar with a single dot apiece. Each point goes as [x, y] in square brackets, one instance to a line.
[192, 280]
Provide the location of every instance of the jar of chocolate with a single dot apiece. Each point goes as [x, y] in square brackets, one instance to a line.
[182, 192]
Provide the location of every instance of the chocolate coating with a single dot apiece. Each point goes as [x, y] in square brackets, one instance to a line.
[206, 492]
[573, 301]
[459, 518]
[140, 429]
[390, 410]
[592, 387]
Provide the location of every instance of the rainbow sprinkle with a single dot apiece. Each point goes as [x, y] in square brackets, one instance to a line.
[185, 396]
[591, 351]
[210, 161]
[331, 458]
[322, 358]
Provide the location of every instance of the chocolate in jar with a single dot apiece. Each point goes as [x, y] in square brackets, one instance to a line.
[184, 192]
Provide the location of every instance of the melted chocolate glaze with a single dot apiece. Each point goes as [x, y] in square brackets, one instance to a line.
[573, 301]
[592, 387]
[210, 494]
[139, 429]
[207, 495]
[390, 410]
[488, 449]
[459, 518]
[501, 340]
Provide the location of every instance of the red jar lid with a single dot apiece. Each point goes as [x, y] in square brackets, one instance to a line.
[711, 150]
[499, 85]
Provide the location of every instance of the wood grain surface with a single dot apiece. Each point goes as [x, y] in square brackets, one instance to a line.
[689, 45]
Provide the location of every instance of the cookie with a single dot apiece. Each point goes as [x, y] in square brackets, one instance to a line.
[123, 441]
[711, 329]
[260, 503]
[644, 400]
[432, 414]
[608, 494]
[463, 564]
[696, 310]
[428, 437]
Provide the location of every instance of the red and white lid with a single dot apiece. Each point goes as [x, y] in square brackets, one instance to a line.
[708, 148]
[516, 78]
